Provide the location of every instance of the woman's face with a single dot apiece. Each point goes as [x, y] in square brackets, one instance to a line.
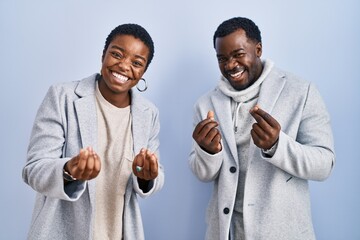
[123, 65]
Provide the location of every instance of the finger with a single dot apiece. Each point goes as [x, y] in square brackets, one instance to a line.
[256, 139]
[146, 166]
[138, 162]
[204, 131]
[91, 161]
[217, 143]
[211, 135]
[89, 166]
[153, 166]
[203, 126]
[266, 116]
[259, 131]
[97, 166]
[261, 121]
[210, 115]
[83, 156]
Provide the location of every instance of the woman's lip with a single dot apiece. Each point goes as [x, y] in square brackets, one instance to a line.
[121, 78]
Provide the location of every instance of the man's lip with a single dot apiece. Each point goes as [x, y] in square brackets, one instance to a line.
[236, 74]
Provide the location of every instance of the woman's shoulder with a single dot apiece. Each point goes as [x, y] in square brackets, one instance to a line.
[142, 102]
[79, 87]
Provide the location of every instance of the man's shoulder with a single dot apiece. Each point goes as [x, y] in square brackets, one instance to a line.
[289, 76]
[292, 80]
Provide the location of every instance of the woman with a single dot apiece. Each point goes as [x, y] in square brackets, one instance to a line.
[94, 146]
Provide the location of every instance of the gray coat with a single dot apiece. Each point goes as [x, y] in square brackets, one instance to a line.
[66, 122]
[276, 198]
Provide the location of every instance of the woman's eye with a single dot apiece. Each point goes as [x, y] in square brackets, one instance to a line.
[116, 55]
[138, 64]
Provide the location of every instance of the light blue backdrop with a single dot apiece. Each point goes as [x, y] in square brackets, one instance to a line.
[46, 42]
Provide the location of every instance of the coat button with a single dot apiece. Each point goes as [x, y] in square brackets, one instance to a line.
[226, 210]
[233, 169]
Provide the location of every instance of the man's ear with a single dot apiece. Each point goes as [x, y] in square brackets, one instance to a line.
[258, 49]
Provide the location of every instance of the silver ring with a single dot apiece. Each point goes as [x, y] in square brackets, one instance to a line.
[144, 89]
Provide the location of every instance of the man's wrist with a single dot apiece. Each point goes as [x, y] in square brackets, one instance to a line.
[270, 151]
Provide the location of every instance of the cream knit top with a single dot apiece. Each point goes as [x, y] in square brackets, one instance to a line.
[116, 155]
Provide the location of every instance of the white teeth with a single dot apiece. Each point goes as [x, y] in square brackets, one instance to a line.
[120, 77]
[236, 75]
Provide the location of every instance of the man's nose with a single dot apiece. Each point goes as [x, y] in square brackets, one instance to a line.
[231, 63]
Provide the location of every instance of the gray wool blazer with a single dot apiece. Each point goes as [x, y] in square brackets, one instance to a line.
[276, 199]
[66, 122]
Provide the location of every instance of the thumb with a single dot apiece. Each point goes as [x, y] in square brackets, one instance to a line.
[210, 115]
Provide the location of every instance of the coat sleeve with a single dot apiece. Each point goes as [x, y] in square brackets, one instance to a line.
[205, 166]
[311, 155]
[153, 145]
[44, 167]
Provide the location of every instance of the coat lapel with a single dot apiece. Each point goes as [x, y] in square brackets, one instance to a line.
[222, 108]
[269, 93]
[270, 90]
[141, 121]
[87, 119]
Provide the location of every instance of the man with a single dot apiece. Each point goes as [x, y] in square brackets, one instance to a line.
[260, 135]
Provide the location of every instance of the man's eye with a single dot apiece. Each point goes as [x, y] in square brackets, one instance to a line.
[221, 60]
[239, 55]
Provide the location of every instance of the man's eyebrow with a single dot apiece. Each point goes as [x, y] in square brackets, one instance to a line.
[232, 52]
[238, 50]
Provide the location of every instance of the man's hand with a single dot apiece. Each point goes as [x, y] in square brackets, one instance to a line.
[145, 165]
[265, 132]
[207, 135]
[85, 166]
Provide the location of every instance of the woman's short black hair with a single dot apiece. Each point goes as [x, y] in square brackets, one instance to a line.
[231, 25]
[136, 31]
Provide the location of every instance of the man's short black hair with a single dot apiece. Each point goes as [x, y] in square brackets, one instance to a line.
[231, 25]
[136, 31]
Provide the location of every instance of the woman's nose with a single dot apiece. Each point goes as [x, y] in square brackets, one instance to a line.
[124, 63]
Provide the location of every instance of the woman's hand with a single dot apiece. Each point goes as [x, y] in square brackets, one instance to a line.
[145, 165]
[85, 166]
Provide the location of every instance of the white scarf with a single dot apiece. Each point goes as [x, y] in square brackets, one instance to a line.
[247, 94]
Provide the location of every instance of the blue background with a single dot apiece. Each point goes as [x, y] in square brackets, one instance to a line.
[46, 42]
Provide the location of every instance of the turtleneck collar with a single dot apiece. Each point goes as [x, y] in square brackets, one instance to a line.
[248, 93]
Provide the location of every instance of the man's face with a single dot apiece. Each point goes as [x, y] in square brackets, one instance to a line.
[239, 59]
